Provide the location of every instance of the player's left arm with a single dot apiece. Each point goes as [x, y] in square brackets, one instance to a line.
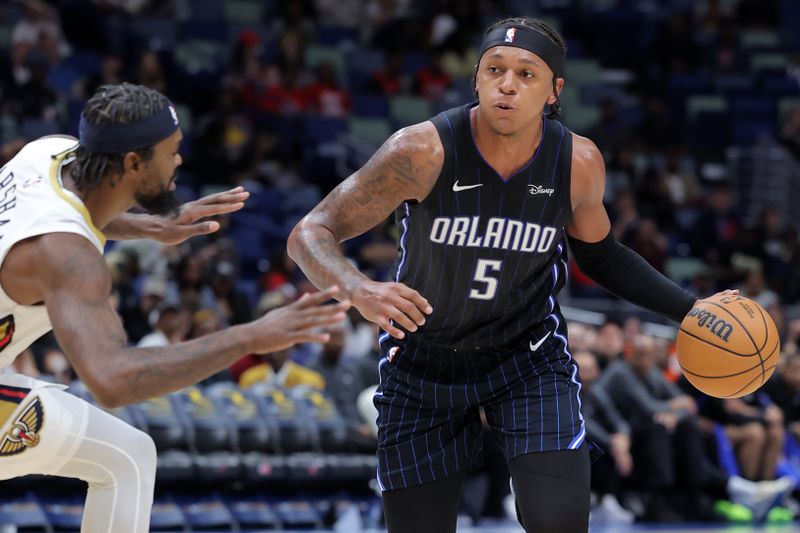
[190, 221]
[608, 262]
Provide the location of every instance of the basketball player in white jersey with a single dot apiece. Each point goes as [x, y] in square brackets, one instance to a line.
[60, 198]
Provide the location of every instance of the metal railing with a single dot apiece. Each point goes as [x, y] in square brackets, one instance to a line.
[767, 175]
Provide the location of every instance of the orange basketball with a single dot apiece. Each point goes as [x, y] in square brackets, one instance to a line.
[728, 346]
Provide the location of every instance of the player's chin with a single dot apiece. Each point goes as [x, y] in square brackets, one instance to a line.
[163, 203]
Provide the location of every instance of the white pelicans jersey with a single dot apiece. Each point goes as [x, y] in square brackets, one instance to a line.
[33, 202]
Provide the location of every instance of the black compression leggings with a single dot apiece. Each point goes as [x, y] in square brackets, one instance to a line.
[552, 492]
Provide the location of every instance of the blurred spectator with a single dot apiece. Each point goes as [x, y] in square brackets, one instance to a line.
[150, 73]
[755, 433]
[389, 80]
[110, 73]
[232, 305]
[666, 443]
[658, 129]
[56, 365]
[204, 321]
[606, 427]
[609, 343]
[755, 288]
[713, 235]
[674, 48]
[345, 378]
[278, 369]
[171, 326]
[648, 242]
[340, 13]
[784, 390]
[245, 62]
[37, 34]
[326, 97]
[432, 81]
[790, 131]
[610, 132]
[37, 98]
[460, 56]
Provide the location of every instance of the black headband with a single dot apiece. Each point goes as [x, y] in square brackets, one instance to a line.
[529, 39]
[121, 138]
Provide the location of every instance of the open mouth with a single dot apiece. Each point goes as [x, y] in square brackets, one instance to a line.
[503, 106]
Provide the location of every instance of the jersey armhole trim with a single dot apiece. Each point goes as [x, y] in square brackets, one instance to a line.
[79, 206]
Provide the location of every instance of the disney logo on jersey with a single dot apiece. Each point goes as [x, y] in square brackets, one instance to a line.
[538, 189]
[496, 232]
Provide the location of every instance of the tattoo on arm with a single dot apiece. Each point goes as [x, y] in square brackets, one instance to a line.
[77, 290]
[405, 168]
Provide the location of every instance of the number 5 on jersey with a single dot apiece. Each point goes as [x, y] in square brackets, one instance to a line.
[482, 270]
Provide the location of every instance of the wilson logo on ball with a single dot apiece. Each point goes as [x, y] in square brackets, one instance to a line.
[717, 326]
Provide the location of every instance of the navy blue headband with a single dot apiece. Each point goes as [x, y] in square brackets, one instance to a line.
[529, 39]
[121, 138]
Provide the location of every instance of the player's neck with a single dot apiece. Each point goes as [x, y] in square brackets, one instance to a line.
[105, 202]
[506, 154]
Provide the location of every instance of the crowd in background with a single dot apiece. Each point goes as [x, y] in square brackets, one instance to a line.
[243, 119]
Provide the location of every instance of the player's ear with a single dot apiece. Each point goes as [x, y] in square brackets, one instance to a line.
[558, 86]
[131, 162]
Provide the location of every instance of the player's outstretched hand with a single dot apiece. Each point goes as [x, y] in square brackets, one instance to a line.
[191, 220]
[297, 322]
[391, 306]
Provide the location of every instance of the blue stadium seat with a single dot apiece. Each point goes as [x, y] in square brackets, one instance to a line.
[163, 424]
[253, 513]
[710, 130]
[335, 35]
[206, 513]
[175, 466]
[211, 430]
[317, 130]
[290, 433]
[298, 514]
[690, 83]
[64, 513]
[167, 515]
[207, 10]
[747, 131]
[158, 33]
[206, 30]
[84, 62]
[24, 511]
[318, 411]
[259, 468]
[370, 105]
[251, 432]
[32, 129]
[753, 106]
[62, 77]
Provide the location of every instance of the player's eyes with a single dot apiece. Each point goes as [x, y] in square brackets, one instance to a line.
[527, 74]
[493, 69]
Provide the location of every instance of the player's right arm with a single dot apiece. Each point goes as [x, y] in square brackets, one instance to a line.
[75, 284]
[405, 168]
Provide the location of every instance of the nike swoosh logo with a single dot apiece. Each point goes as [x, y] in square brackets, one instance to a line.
[535, 347]
[458, 188]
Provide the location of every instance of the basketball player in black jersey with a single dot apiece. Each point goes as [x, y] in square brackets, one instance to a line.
[487, 196]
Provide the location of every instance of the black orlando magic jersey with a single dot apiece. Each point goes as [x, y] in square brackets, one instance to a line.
[488, 254]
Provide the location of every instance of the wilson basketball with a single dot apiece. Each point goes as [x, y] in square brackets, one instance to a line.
[728, 346]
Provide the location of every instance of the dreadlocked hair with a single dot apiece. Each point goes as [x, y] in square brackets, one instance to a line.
[541, 27]
[113, 104]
